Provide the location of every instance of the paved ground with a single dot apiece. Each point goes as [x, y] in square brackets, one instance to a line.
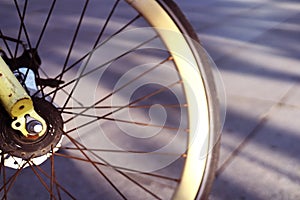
[256, 46]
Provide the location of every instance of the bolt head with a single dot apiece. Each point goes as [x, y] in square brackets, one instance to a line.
[34, 127]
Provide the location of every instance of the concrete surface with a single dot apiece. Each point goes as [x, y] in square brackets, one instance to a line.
[256, 46]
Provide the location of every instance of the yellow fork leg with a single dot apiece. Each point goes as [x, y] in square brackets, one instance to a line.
[18, 103]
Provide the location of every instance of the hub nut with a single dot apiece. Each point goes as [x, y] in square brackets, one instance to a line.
[34, 127]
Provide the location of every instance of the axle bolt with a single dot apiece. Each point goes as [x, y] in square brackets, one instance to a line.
[34, 127]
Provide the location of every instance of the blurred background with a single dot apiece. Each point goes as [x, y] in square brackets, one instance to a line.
[256, 46]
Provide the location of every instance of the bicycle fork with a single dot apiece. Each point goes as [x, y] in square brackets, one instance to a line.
[19, 105]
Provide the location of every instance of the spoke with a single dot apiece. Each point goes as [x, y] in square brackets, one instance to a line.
[106, 163]
[141, 123]
[3, 168]
[22, 25]
[138, 106]
[6, 44]
[122, 28]
[99, 67]
[5, 37]
[96, 167]
[56, 183]
[125, 152]
[10, 182]
[87, 54]
[61, 74]
[123, 121]
[78, 114]
[72, 44]
[78, 158]
[76, 83]
[66, 70]
[116, 167]
[63, 90]
[40, 179]
[123, 86]
[38, 43]
[45, 24]
[106, 23]
[133, 102]
[122, 173]
[25, 77]
[19, 166]
[53, 177]
[77, 144]
[22, 17]
[97, 40]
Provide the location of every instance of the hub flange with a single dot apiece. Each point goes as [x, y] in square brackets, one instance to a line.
[13, 143]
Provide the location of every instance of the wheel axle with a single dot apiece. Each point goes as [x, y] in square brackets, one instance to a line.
[16, 101]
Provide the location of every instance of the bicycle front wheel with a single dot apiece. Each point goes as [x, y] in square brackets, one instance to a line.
[127, 94]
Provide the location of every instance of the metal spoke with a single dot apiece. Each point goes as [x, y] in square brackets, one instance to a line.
[56, 183]
[22, 22]
[87, 54]
[97, 40]
[72, 44]
[106, 22]
[123, 121]
[99, 67]
[40, 179]
[22, 17]
[22, 27]
[115, 167]
[133, 102]
[3, 169]
[96, 167]
[138, 106]
[82, 148]
[53, 177]
[76, 83]
[63, 90]
[142, 123]
[6, 44]
[10, 182]
[123, 86]
[77, 144]
[123, 151]
[45, 24]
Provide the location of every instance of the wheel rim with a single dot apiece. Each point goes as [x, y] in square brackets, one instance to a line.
[79, 119]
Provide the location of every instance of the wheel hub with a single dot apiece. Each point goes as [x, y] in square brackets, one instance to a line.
[13, 143]
[16, 149]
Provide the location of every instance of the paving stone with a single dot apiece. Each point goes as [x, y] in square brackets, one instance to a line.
[256, 47]
[293, 96]
[242, 117]
[226, 37]
[269, 166]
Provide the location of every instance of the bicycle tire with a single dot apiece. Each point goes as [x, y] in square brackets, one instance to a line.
[207, 71]
[174, 24]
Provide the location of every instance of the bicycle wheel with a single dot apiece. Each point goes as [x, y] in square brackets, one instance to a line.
[127, 95]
